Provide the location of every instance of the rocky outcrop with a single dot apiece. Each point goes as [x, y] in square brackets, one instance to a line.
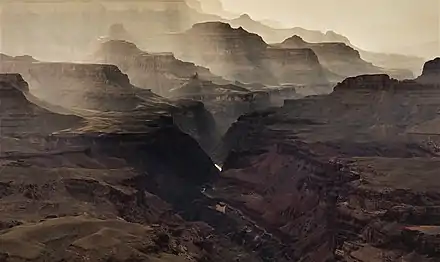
[431, 72]
[239, 55]
[351, 173]
[342, 59]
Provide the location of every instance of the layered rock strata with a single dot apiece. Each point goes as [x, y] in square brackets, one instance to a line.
[346, 177]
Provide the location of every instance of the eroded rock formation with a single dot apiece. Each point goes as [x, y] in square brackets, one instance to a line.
[239, 55]
[101, 193]
[104, 93]
[159, 72]
[347, 177]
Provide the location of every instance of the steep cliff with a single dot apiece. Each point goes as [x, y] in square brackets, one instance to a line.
[104, 93]
[20, 117]
[295, 66]
[431, 72]
[239, 55]
[351, 173]
[342, 59]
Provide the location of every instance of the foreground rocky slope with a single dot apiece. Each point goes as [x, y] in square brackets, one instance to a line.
[346, 177]
[74, 189]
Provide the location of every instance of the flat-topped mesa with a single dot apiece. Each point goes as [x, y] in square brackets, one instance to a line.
[431, 72]
[369, 82]
[223, 36]
[19, 117]
[341, 59]
[115, 47]
[159, 72]
[23, 58]
[86, 86]
[294, 66]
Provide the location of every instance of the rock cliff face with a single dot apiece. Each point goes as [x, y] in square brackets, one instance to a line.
[351, 173]
[239, 55]
[303, 62]
[431, 72]
[342, 59]
[159, 72]
[20, 117]
[104, 93]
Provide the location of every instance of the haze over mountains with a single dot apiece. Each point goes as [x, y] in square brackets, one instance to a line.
[177, 131]
[380, 26]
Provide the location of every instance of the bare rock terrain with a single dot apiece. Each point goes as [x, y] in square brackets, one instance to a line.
[348, 177]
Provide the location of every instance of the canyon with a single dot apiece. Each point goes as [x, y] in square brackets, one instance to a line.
[322, 178]
[158, 132]
[352, 173]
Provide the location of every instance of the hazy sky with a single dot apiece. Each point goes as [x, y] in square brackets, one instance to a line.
[371, 24]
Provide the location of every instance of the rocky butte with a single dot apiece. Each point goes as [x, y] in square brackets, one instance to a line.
[353, 174]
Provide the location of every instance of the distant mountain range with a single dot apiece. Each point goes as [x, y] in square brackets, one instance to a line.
[154, 19]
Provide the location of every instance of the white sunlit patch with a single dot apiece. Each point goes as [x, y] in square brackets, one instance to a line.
[218, 167]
